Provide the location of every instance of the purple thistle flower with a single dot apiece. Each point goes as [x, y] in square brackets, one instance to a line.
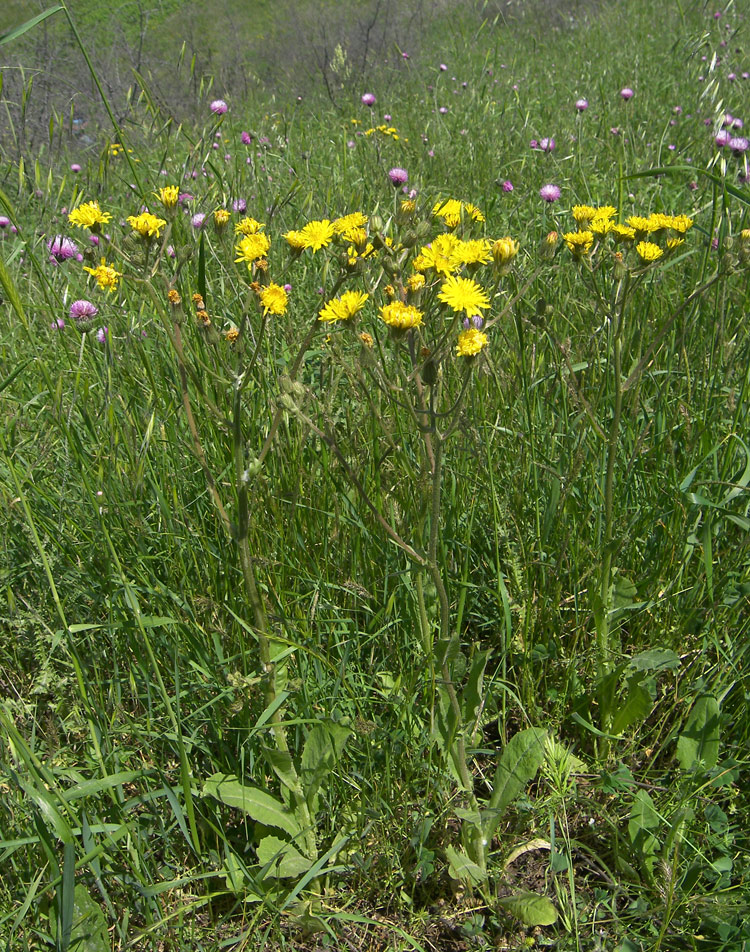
[533, 144]
[247, 139]
[82, 311]
[61, 248]
[722, 138]
[626, 93]
[287, 288]
[239, 205]
[546, 145]
[197, 220]
[398, 176]
[738, 144]
[368, 99]
[550, 193]
[4, 221]
[58, 324]
[442, 110]
[102, 334]
[219, 107]
[75, 167]
[582, 105]
[443, 67]
[507, 186]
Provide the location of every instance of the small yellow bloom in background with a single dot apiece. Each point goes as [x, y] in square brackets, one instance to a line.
[252, 247]
[173, 296]
[273, 299]
[248, 226]
[401, 316]
[168, 195]
[623, 232]
[221, 217]
[674, 243]
[579, 242]
[463, 294]
[648, 251]
[146, 225]
[316, 234]
[504, 250]
[89, 215]
[471, 342]
[642, 226]
[408, 206]
[680, 223]
[415, 283]
[106, 276]
[231, 335]
[367, 339]
[344, 307]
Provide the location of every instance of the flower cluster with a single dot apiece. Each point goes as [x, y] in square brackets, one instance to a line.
[639, 232]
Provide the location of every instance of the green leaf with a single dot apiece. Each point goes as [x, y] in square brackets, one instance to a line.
[471, 698]
[531, 908]
[258, 804]
[519, 762]
[28, 25]
[657, 659]
[202, 266]
[322, 749]
[699, 741]
[463, 868]
[88, 931]
[635, 708]
[284, 861]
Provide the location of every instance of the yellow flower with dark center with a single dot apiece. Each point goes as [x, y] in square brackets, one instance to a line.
[316, 234]
[89, 215]
[273, 299]
[579, 242]
[463, 294]
[401, 316]
[106, 276]
[471, 342]
[148, 226]
[168, 195]
[252, 247]
[248, 226]
[648, 251]
[343, 308]
[504, 250]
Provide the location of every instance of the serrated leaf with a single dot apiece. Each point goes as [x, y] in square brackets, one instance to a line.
[699, 741]
[283, 859]
[519, 762]
[258, 804]
[531, 908]
[463, 868]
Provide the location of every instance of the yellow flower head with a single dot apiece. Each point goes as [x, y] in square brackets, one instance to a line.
[106, 276]
[473, 252]
[401, 316]
[248, 226]
[583, 214]
[504, 250]
[273, 299]
[252, 247]
[168, 195]
[440, 255]
[579, 242]
[642, 226]
[316, 235]
[605, 211]
[367, 339]
[659, 221]
[415, 283]
[295, 240]
[674, 243]
[452, 209]
[231, 335]
[471, 342]
[148, 226]
[623, 232]
[344, 307]
[680, 223]
[89, 215]
[463, 294]
[348, 224]
[221, 217]
[648, 251]
[408, 206]
[601, 226]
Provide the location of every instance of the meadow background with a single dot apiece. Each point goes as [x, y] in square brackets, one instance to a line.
[236, 710]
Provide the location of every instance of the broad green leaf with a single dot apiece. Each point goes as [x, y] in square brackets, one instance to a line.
[635, 708]
[88, 931]
[519, 762]
[285, 861]
[282, 765]
[322, 749]
[471, 698]
[656, 659]
[258, 804]
[699, 741]
[463, 868]
[531, 908]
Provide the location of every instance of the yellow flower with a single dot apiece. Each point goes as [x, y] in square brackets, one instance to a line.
[680, 223]
[605, 211]
[473, 212]
[231, 335]
[463, 294]
[168, 195]
[471, 342]
[367, 339]
[583, 214]
[659, 221]
[89, 215]
[344, 307]
[316, 235]
[451, 211]
[440, 255]
[648, 251]
[106, 276]
[273, 299]
[623, 232]
[147, 225]
[221, 217]
[357, 236]
[252, 247]
[295, 240]
[415, 283]
[674, 243]
[579, 242]
[400, 315]
[504, 250]
[248, 226]
[344, 225]
[476, 251]
[408, 206]
[601, 226]
[642, 226]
